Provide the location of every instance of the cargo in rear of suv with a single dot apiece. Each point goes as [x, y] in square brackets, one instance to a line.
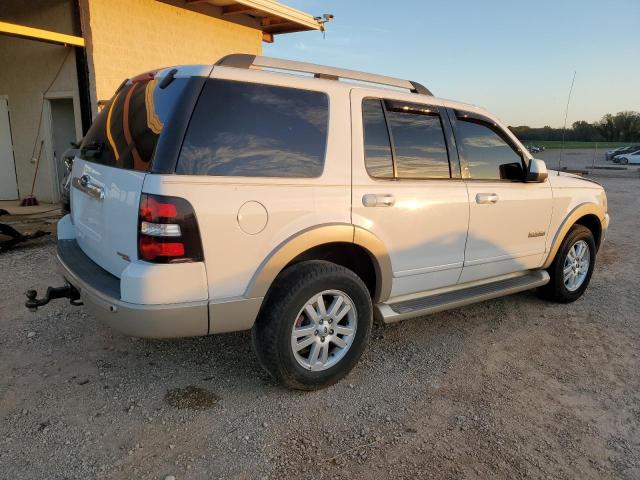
[210, 199]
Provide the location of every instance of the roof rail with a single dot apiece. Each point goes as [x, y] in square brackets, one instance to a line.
[242, 60]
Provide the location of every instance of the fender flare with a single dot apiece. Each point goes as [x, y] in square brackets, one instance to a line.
[570, 220]
[304, 240]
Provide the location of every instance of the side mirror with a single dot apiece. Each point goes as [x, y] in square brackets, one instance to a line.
[537, 171]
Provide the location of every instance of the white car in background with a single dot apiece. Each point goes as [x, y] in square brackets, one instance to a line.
[612, 153]
[628, 158]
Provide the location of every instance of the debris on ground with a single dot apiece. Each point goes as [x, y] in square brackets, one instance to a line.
[15, 237]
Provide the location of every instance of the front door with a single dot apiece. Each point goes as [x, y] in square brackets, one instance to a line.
[407, 187]
[8, 184]
[509, 219]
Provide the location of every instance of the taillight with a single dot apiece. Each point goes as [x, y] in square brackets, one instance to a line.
[167, 230]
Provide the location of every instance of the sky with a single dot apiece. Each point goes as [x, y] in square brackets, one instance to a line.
[515, 58]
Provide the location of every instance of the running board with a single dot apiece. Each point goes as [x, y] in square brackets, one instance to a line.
[417, 307]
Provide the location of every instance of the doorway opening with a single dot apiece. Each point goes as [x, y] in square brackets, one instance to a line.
[63, 128]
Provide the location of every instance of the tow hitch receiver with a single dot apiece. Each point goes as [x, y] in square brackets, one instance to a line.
[66, 291]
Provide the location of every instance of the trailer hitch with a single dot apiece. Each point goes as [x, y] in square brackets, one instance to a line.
[66, 291]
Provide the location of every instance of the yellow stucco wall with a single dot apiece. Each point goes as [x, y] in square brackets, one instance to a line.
[124, 38]
[127, 37]
[27, 68]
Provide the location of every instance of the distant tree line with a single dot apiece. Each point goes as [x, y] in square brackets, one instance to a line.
[621, 127]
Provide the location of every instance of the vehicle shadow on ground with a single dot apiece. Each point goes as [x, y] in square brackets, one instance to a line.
[231, 355]
[228, 360]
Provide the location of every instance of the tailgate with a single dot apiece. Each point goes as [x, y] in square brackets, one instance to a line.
[104, 208]
[115, 156]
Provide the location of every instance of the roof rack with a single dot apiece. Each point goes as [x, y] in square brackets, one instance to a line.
[241, 60]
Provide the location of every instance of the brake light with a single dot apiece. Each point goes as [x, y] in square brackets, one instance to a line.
[168, 230]
[151, 207]
[151, 249]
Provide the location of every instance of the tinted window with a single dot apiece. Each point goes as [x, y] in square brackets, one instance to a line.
[253, 130]
[487, 154]
[126, 131]
[377, 149]
[420, 147]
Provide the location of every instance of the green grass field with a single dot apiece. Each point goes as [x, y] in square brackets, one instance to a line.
[592, 145]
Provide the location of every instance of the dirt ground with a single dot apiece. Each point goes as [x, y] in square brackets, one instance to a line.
[510, 388]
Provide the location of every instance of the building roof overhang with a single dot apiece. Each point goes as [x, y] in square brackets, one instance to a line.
[272, 17]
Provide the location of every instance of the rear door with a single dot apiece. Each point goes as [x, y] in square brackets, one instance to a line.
[407, 187]
[114, 158]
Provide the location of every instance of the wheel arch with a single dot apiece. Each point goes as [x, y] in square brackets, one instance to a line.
[344, 244]
[589, 215]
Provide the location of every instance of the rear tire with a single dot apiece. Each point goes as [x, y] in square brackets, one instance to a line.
[323, 307]
[571, 270]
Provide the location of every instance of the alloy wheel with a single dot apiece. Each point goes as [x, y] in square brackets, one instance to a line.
[324, 330]
[576, 265]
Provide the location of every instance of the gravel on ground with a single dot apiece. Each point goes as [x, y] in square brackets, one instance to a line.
[510, 388]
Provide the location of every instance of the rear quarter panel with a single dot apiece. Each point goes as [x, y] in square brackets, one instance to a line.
[232, 257]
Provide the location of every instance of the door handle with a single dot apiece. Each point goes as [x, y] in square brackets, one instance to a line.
[487, 198]
[86, 184]
[378, 200]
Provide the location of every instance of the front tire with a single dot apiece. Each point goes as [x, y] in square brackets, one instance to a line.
[314, 325]
[571, 270]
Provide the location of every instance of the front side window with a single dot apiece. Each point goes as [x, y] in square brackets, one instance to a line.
[487, 154]
[256, 130]
[405, 136]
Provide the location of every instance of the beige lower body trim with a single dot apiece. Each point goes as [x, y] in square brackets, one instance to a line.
[381, 260]
[150, 321]
[291, 248]
[577, 213]
[313, 237]
[233, 315]
[146, 321]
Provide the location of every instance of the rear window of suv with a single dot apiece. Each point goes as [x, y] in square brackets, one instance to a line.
[404, 140]
[126, 131]
[256, 130]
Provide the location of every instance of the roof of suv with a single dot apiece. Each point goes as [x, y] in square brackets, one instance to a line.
[319, 73]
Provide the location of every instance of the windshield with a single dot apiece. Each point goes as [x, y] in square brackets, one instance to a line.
[126, 131]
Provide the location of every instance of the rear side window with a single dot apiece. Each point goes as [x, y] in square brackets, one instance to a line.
[255, 130]
[420, 147]
[377, 148]
[405, 136]
[487, 153]
[126, 131]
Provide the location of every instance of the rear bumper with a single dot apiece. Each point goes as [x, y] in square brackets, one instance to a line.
[100, 291]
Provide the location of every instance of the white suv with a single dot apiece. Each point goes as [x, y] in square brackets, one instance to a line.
[269, 195]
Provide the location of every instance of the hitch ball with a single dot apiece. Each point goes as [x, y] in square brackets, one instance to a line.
[66, 291]
[31, 304]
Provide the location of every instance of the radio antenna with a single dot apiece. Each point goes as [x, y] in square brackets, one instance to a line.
[564, 128]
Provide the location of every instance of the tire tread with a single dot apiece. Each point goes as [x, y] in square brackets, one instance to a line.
[266, 338]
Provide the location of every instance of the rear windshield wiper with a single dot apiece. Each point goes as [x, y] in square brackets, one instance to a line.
[92, 150]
